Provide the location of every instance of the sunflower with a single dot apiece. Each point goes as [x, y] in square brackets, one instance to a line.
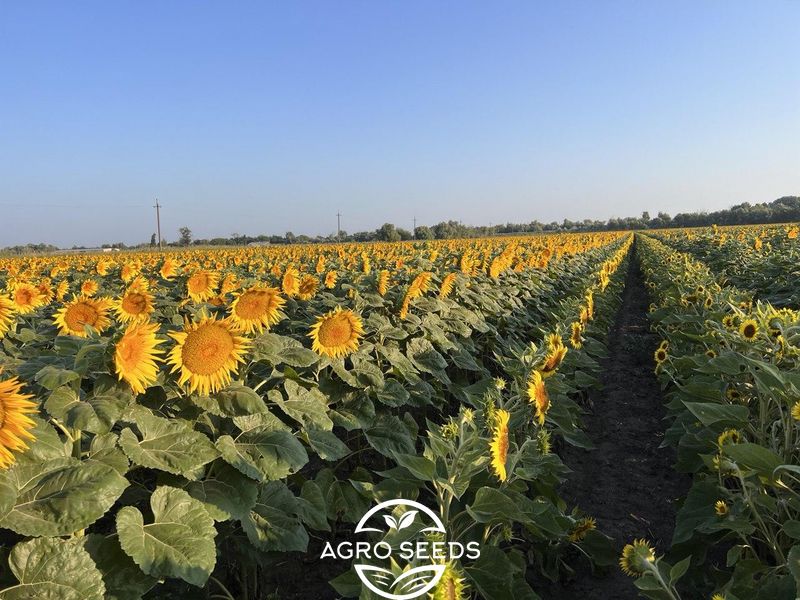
[201, 285]
[76, 315]
[336, 334]
[729, 436]
[576, 338]
[499, 444]
[383, 282]
[420, 285]
[136, 355]
[308, 287]
[15, 424]
[290, 284]
[451, 586]
[134, 306]
[537, 394]
[636, 558]
[796, 411]
[61, 290]
[26, 298]
[256, 309]
[556, 354]
[206, 354]
[330, 279]
[581, 528]
[721, 508]
[6, 314]
[89, 288]
[748, 329]
[729, 321]
[660, 355]
[168, 269]
[448, 283]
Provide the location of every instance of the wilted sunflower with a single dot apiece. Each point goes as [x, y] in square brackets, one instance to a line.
[6, 314]
[537, 394]
[383, 282]
[76, 315]
[201, 285]
[499, 444]
[134, 306]
[636, 558]
[207, 353]
[749, 329]
[557, 352]
[330, 279]
[290, 284]
[337, 333]
[308, 287]
[26, 298]
[15, 424]
[256, 308]
[136, 354]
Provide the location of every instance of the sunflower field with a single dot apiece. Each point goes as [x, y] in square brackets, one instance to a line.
[186, 424]
[725, 303]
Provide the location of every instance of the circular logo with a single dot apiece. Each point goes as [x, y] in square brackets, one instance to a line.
[386, 519]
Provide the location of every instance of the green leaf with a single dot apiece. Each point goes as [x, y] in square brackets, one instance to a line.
[792, 529]
[793, 562]
[309, 407]
[753, 456]
[225, 494]
[393, 394]
[326, 444]
[51, 377]
[123, 578]
[178, 543]
[170, 446]
[709, 413]
[60, 496]
[492, 573]
[419, 466]
[234, 401]
[299, 357]
[97, 412]
[263, 455]
[53, 569]
[679, 569]
[389, 436]
[273, 524]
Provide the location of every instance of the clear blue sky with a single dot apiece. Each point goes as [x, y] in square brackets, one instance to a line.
[265, 117]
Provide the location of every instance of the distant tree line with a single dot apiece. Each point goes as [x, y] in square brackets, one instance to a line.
[782, 210]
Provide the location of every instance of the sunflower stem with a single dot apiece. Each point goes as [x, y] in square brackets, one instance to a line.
[76, 444]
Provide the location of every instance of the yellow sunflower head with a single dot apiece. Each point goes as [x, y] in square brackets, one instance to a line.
[581, 528]
[337, 333]
[448, 283]
[290, 284]
[76, 315]
[451, 586]
[555, 356]
[256, 309]
[134, 307]
[26, 298]
[308, 287]
[330, 279]
[576, 335]
[15, 424]
[636, 558]
[721, 508]
[89, 288]
[136, 355]
[202, 285]
[498, 446]
[6, 314]
[748, 329]
[537, 394]
[660, 355]
[207, 353]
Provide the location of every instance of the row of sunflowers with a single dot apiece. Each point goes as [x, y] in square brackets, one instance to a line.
[730, 367]
[185, 420]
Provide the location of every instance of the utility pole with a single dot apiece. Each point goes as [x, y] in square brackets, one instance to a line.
[158, 222]
[338, 227]
[414, 230]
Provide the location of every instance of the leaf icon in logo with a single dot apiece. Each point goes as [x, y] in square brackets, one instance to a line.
[390, 521]
[406, 519]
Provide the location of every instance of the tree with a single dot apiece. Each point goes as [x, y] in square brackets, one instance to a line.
[404, 234]
[423, 232]
[153, 241]
[290, 237]
[185, 236]
[387, 233]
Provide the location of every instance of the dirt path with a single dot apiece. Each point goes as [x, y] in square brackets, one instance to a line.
[627, 482]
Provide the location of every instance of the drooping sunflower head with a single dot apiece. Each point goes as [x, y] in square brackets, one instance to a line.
[448, 283]
[748, 329]
[207, 354]
[15, 424]
[555, 356]
[135, 306]
[383, 282]
[337, 333]
[308, 287]
[136, 355]
[256, 308]
[576, 338]
[581, 528]
[636, 558]
[82, 312]
[202, 285]
[537, 394]
[498, 446]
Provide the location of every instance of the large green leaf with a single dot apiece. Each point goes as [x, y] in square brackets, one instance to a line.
[61, 495]
[709, 413]
[225, 493]
[53, 569]
[170, 446]
[760, 459]
[389, 436]
[97, 412]
[178, 543]
[263, 455]
[234, 401]
[274, 523]
[123, 578]
[309, 407]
